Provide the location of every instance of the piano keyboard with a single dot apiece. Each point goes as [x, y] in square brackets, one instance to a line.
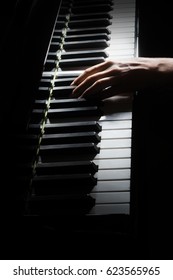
[83, 152]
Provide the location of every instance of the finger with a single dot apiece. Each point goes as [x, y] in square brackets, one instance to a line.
[117, 91]
[99, 86]
[107, 93]
[79, 89]
[92, 70]
[112, 73]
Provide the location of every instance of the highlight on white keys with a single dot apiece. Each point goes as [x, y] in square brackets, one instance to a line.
[86, 269]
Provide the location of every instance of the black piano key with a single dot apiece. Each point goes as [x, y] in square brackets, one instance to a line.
[52, 55]
[64, 183]
[63, 82]
[85, 44]
[64, 10]
[75, 137]
[73, 112]
[90, 8]
[56, 39]
[84, 37]
[34, 128]
[40, 104]
[90, 30]
[91, 2]
[84, 54]
[103, 22]
[90, 16]
[75, 62]
[43, 93]
[54, 47]
[60, 205]
[71, 127]
[69, 149]
[46, 83]
[61, 17]
[62, 92]
[66, 167]
[60, 24]
[71, 103]
[58, 32]
[50, 64]
[38, 114]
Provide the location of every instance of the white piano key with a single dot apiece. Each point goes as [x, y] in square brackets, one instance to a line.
[123, 40]
[121, 29]
[128, 25]
[113, 163]
[65, 73]
[125, 5]
[120, 2]
[113, 174]
[124, 12]
[123, 35]
[128, 16]
[122, 124]
[114, 153]
[126, 52]
[123, 46]
[117, 116]
[119, 133]
[106, 209]
[124, 2]
[121, 56]
[111, 197]
[123, 8]
[112, 186]
[115, 143]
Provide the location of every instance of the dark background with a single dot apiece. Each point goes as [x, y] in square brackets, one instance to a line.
[152, 137]
[25, 32]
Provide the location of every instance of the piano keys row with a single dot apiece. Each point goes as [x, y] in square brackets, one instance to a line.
[81, 33]
[73, 167]
[87, 49]
[83, 157]
[123, 30]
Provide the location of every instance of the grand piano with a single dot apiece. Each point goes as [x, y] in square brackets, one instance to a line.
[79, 180]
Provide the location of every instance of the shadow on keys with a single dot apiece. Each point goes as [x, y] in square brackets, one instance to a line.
[118, 104]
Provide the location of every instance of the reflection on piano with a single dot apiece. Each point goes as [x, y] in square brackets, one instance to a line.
[71, 169]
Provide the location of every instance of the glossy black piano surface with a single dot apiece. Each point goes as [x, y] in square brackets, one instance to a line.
[24, 49]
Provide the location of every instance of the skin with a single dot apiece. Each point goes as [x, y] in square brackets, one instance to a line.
[112, 78]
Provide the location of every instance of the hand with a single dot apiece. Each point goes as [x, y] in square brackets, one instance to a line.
[121, 77]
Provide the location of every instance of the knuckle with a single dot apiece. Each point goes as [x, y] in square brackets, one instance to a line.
[109, 63]
[98, 82]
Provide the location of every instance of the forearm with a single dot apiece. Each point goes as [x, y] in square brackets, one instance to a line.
[159, 71]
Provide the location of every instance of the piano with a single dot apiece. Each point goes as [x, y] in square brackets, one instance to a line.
[76, 171]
